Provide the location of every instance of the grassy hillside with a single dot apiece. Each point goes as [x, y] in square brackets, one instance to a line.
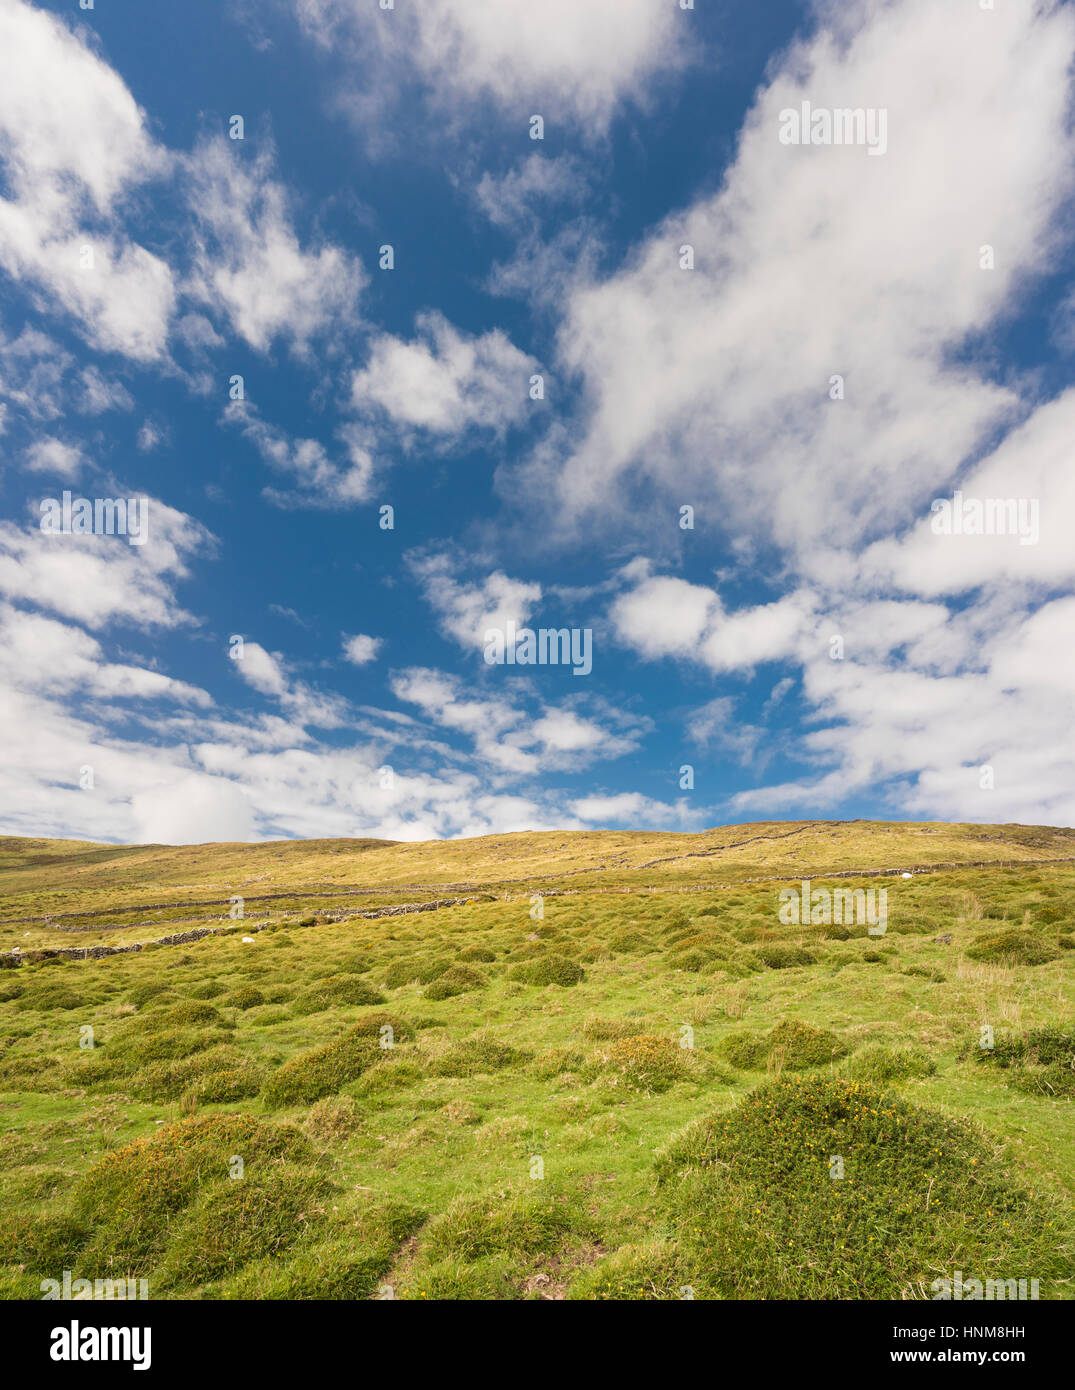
[606, 1069]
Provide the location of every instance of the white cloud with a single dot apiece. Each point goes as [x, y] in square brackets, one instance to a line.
[503, 734]
[575, 61]
[715, 724]
[269, 674]
[663, 617]
[51, 455]
[467, 610]
[33, 368]
[248, 259]
[320, 481]
[261, 669]
[100, 579]
[1033, 464]
[97, 393]
[73, 145]
[444, 382]
[193, 809]
[150, 435]
[46, 655]
[713, 384]
[39, 378]
[633, 809]
[360, 650]
[517, 197]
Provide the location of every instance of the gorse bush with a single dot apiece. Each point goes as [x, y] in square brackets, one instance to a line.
[693, 961]
[604, 1029]
[629, 941]
[1056, 1080]
[240, 1080]
[782, 957]
[1036, 1046]
[636, 1273]
[332, 1119]
[499, 1141]
[142, 994]
[1038, 1062]
[45, 1244]
[536, 1220]
[131, 1197]
[47, 997]
[168, 1080]
[188, 1014]
[249, 997]
[420, 971]
[763, 1209]
[132, 1048]
[348, 1261]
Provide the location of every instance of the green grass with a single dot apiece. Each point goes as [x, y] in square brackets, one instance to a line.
[828, 1188]
[466, 1103]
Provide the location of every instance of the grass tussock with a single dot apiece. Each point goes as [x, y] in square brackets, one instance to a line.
[241, 1120]
[764, 1210]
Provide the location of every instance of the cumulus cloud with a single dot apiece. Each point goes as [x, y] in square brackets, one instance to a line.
[819, 261]
[193, 809]
[51, 455]
[577, 61]
[360, 650]
[74, 145]
[518, 197]
[715, 725]
[503, 732]
[467, 609]
[269, 674]
[47, 655]
[632, 809]
[444, 383]
[249, 262]
[666, 616]
[1032, 466]
[101, 579]
[319, 480]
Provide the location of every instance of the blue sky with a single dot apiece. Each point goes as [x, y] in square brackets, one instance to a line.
[807, 344]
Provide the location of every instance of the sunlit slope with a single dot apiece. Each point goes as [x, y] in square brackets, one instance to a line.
[79, 893]
[683, 1060]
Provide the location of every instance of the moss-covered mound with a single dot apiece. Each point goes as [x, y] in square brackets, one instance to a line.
[547, 970]
[327, 1069]
[334, 991]
[797, 1046]
[824, 1188]
[131, 1198]
[1013, 948]
[458, 979]
[644, 1063]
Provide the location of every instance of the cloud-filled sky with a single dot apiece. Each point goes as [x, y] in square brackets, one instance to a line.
[415, 328]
